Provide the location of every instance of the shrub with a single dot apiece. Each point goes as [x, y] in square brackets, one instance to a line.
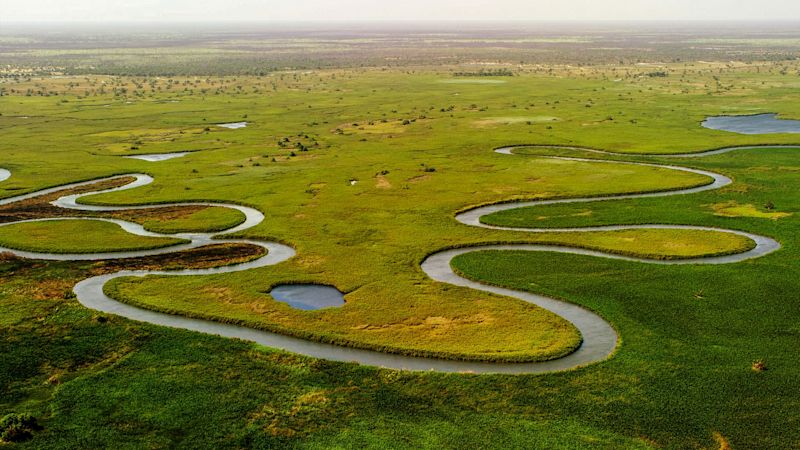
[17, 427]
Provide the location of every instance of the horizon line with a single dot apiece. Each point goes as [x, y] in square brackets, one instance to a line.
[421, 20]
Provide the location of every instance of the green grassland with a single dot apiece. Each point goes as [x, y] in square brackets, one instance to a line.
[77, 236]
[204, 220]
[363, 201]
[745, 204]
[467, 326]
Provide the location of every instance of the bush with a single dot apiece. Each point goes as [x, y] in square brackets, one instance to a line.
[17, 427]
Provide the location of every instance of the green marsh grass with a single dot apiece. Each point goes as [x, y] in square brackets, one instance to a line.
[689, 334]
[77, 236]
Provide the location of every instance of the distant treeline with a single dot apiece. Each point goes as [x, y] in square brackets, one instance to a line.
[261, 53]
[486, 73]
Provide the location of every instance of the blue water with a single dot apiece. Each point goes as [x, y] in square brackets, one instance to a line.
[308, 296]
[755, 124]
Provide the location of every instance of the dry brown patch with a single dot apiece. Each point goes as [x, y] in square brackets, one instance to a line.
[197, 258]
[310, 261]
[164, 214]
[431, 325]
[50, 289]
[739, 188]
[382, 183]
[218, 294]
[675, 245]
[419, 178]
[306, 414]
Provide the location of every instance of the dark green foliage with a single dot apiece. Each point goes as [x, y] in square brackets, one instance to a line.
[486, 73]
[17, 427]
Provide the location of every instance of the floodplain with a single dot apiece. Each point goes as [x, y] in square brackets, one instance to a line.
[353, 176]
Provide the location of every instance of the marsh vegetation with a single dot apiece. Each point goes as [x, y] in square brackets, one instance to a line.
[359, 159]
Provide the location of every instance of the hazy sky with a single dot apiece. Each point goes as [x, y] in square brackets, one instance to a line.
[358, 10]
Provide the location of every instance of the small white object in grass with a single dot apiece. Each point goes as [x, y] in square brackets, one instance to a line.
[353, 182]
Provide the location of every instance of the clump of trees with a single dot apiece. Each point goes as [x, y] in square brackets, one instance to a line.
[486, 73]
[17, 427]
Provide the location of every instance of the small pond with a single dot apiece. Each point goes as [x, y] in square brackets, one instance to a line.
[753, 124]
[233, 125]
[308, 296]
[155, 157]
